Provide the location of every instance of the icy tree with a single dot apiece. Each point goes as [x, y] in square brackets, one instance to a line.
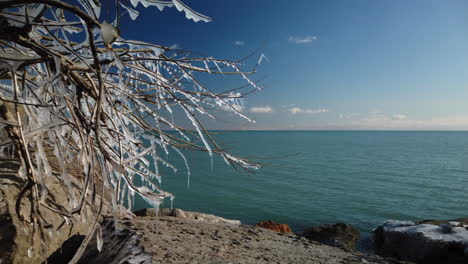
[74, 94]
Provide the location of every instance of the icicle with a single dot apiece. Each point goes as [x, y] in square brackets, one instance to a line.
[118, 62]
[143, 153]
[217, 66]
[131, 12]
[206, 66]
[91, 7]
[50, 232]
[156, 207]
[154, 202]
[31, 252]
[200, 133]
[99, 241]
[130, 199]
[159, 4]
[186, 165]
[115, 211]
[190, 13]
[64, 175]
[261, 58]
[123, 191]
[83, 217]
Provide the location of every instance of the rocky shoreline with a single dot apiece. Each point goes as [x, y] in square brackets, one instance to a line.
[176, 236]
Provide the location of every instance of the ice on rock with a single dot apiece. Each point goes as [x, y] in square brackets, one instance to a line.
[391, 224]
[455, 233]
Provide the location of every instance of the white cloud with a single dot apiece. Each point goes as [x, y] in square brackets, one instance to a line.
[404, 123]
[348, 115]
[381, 121]
[261, 109]
[302, 40]
[295, 110]
[298, 110]
[399, 116]
[239, 43]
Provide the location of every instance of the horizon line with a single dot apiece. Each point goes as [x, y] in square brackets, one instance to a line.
[370, 130]
[344, 130]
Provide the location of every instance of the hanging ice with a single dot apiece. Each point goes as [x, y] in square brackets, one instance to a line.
[131, 12]
[189, 13]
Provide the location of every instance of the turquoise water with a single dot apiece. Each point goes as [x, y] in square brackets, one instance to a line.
[317, 177]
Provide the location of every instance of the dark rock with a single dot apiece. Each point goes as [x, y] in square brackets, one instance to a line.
[66, 252]
[122, 246]
[337, 235]
[429, 241]
[280, 228]
[7, 233]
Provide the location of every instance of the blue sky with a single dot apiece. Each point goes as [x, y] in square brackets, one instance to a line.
[335, 64]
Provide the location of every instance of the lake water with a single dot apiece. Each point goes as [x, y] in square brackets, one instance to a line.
[321, 177]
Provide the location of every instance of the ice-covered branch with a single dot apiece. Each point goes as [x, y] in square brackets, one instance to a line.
[72, 91]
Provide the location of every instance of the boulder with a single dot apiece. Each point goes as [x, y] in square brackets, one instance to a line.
[337, 235]
[280, 228]
[16, 238]
[428, 241]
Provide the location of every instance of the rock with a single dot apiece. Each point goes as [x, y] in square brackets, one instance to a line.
[463, 221]
[280, 228]
[187, 240]
[337, 235]
[429, 241]
[151, 212]
[16, 238]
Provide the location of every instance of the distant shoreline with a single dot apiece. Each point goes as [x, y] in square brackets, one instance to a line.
[324, 130]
